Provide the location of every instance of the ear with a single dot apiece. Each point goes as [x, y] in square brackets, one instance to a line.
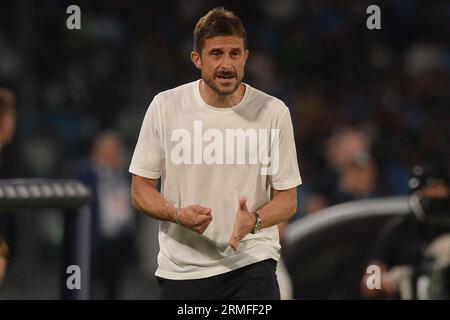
[196, 59]
[246, 55]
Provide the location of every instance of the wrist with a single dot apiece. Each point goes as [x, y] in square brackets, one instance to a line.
[177, 215]
[258, 223]
[172, 213]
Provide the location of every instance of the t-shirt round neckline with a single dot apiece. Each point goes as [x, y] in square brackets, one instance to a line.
[219, 109]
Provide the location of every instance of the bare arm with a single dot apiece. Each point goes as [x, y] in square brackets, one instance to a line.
[146, 198]
[280, 208]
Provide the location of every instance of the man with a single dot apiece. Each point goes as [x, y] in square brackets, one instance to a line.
[4, 258]
[7, 164]
[401, 242]
[112, 214]
[226, 156]
[7, 117]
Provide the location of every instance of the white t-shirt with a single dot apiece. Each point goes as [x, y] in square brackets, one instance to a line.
[212, 157]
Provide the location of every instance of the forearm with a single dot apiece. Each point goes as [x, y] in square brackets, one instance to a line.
[147, 199]
[280, 208]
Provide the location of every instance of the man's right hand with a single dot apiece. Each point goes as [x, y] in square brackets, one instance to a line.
[195, 218]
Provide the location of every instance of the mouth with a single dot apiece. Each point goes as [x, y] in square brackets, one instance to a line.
[225, 78]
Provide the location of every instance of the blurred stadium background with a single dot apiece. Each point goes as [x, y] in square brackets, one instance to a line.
[367, 105]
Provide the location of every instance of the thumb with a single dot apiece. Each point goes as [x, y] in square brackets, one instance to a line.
[243, 203]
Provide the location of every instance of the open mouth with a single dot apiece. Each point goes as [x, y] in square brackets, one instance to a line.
[225, 76]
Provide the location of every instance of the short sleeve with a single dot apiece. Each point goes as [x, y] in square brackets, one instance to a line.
[285, 173]
[148, 157]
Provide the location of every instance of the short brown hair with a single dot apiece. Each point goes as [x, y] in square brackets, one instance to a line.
[4, 249]
[7, 101]
[218, 22]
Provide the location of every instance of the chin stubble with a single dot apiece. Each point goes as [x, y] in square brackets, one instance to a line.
[217, 90]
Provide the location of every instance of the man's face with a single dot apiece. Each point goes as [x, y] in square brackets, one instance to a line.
[222, 63]
[108, 151]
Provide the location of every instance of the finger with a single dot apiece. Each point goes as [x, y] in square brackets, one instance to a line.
[204, 219]
[204, 211]
[206, 224]
[203, 228]
[234, 242]
[243, 203]
[234, 236]
[203, 225]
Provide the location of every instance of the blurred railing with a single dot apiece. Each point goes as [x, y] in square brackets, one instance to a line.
[69, 196]
[383, 207]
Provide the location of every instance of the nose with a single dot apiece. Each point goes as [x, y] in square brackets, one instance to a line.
[226, 62]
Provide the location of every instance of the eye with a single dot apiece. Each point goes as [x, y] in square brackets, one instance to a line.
[235, 53]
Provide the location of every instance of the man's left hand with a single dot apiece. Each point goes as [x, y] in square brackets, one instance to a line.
[245, 221]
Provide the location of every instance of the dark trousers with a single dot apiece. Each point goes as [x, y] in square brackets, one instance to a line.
[257, 281]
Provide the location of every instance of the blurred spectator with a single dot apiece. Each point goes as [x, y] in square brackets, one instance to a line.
[345, 146]
[400, 249]
[7, 117]
[357, 180]
[352, 173]
[4, 259]
[7, 130]
[313, 202]
[113, 217]
[314, 55]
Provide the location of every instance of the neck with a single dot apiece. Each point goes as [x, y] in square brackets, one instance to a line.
[221, 101]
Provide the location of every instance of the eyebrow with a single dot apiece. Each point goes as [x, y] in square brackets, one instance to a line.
[221, 49]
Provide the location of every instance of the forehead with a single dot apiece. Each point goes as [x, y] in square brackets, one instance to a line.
[224, 42]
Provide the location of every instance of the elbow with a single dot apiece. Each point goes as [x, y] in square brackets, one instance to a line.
[135, 199]
[292, 208]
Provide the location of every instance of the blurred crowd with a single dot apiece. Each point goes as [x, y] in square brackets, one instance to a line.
[367, 105]
[378, 97]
